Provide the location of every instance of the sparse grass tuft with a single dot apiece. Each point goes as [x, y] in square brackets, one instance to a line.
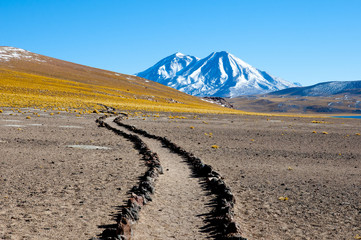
[283, 198]
[315, 121]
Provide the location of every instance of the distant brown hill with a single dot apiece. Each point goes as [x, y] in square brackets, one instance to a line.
[328, 97]
[339, 104]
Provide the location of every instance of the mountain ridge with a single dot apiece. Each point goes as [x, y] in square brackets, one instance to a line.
[334, 97]
[220, 74]
[323, 89]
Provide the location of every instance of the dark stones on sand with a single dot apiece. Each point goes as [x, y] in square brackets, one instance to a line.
[140, 194]
[224, 210]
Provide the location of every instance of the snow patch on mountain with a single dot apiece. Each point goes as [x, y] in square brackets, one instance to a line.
[220, 74]
[168, 67]
[11, 53]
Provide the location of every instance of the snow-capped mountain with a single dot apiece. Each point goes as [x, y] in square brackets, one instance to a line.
[169, 67]
[220, 74]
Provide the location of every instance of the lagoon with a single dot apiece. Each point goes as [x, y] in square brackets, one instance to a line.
[358, 117]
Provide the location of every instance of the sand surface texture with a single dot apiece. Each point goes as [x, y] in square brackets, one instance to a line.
[49, 190]
[63, 177]
[314, 166]
[179, 203]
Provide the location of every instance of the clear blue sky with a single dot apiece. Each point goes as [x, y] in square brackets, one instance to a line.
[306, 41]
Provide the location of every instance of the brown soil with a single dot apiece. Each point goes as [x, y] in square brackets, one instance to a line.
[51, 191]
[337, 104]
[265, 159]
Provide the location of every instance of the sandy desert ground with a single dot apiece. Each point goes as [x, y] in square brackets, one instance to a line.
[315, 165]
[51, 189]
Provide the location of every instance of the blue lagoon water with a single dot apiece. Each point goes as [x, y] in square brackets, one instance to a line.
[358, 117]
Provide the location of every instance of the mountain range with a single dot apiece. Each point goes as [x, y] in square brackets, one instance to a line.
[327, 97]
[220, 74]
[324, 89]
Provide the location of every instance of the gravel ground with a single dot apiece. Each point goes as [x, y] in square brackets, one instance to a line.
[54, 187]
[180, 204]
[293, 179]
[61, 176]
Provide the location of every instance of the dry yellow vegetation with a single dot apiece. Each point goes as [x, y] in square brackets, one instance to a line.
[316, 121]
[19, 90]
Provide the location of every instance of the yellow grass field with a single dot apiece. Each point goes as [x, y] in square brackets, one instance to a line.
[19, 89]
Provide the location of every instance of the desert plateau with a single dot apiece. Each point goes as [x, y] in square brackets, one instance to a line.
[64, 177]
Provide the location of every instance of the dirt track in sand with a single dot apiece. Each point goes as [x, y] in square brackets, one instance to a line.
[179, 203]
[45, 183]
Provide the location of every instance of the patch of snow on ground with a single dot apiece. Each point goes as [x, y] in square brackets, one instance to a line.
[10, 120]
[90, 147]
[13, 125]
[69, 126]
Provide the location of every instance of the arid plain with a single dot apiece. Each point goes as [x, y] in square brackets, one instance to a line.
[64, 177]
[51, 188]
[293, 177]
